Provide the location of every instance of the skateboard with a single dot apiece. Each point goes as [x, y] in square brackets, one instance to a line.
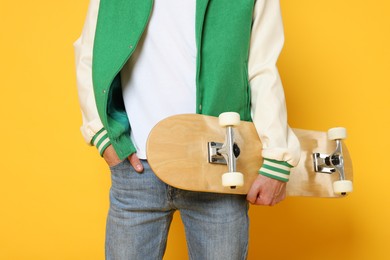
[223, 155]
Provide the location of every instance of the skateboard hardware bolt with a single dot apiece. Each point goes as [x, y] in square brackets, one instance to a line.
[215, 153]
[236, 150]
[336, 159]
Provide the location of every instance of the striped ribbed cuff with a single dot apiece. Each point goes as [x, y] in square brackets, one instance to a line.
[278, 170]
[101, 141]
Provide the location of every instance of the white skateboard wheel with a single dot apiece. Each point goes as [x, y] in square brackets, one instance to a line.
[232, 179]
[337, 133]
[342, 187]
[229, 119]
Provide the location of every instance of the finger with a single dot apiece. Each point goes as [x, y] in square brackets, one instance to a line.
[280, 196]
[253, 194]
[110, 156]
[264, 200]
[251, 198]
[136, 163]
[271, 199]
[260, 197]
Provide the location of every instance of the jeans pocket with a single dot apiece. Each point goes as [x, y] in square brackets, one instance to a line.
[118, 165]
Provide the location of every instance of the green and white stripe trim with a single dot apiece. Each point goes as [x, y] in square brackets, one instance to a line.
[101, 140]
[276, 169]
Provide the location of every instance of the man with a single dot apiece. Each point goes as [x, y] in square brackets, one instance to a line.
[139, 61]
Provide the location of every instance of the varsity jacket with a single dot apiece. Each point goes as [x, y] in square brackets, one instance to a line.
[238, 44]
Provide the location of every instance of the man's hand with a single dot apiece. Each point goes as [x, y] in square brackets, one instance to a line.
[266, 191]
[112, 159]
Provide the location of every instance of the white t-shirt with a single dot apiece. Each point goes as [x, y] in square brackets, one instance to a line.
[159, 79]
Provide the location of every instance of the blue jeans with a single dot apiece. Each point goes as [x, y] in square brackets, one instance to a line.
[141, 210]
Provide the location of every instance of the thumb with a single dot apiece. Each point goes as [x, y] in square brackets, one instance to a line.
[136, 163]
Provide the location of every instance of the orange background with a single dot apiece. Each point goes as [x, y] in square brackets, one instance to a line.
[54, 188]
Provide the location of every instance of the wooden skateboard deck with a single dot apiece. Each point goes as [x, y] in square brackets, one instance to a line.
[177, 152]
